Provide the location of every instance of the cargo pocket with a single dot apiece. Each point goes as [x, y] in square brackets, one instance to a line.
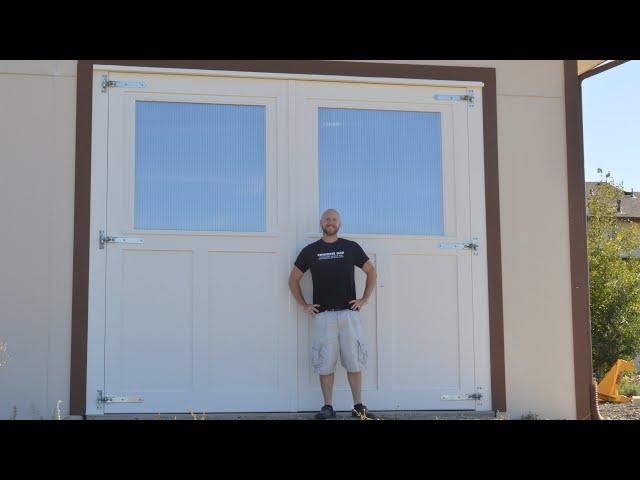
[362, 353]
[359, 334]
[316, 356]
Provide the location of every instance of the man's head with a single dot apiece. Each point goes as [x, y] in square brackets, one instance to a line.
[330, 222]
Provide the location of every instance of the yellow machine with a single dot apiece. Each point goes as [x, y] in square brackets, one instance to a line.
[608, 387]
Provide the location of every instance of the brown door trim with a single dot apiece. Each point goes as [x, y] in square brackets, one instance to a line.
[363, 69]
[578, 241]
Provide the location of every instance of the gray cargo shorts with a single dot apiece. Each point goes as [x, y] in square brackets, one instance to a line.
[338, 332]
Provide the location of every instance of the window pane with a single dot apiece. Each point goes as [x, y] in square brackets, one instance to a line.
[200, 167]
[382, 170]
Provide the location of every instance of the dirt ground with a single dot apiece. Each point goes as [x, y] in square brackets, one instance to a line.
[619, 411]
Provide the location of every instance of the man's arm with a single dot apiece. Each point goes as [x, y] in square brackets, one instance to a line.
[296, 291]
[372, 277]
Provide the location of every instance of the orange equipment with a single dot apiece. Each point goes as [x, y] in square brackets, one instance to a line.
[608, 387]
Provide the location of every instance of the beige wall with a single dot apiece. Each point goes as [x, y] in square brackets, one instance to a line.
[535, 251]
[37, 135]
[37, 138]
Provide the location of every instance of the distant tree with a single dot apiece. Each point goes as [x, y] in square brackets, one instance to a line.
[614, 278]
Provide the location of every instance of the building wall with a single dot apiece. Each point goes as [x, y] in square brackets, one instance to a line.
[37, 143]
[37, 138]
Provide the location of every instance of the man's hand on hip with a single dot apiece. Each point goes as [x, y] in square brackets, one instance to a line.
[311, 309]
[358, 304]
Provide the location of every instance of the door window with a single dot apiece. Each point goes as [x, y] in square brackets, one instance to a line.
[382, 170]
[200, 167]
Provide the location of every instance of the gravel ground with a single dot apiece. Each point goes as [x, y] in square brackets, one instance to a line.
[619, 411]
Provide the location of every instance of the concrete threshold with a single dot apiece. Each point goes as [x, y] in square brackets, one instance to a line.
[341, 415]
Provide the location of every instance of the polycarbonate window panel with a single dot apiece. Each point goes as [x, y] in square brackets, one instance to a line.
[382, 170]
[200, 167]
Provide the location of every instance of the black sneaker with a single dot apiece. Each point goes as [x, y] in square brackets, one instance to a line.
[360, 410]
[326, 412]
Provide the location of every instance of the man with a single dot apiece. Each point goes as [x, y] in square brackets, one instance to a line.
[337, 327]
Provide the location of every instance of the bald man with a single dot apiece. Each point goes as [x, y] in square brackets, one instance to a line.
[337, 327]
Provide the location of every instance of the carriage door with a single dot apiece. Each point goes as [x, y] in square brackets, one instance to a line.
[197, 245]
[403, 166]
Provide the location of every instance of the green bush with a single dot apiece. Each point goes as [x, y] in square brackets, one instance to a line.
[630, 385]
[614, 280]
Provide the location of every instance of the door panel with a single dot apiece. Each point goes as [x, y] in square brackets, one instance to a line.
[241, 357]
[395, 163]
[149, 295]
[197, 168]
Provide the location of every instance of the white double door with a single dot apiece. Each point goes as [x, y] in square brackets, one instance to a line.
[222, 179]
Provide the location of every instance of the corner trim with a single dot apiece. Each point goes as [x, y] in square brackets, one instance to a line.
[578, 242]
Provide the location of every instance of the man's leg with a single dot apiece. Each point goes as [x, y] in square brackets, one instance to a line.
[355, 382]
[325, 351]
[353, 355]
[326, 384]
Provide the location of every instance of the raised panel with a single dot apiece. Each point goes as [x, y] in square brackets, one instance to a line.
[246, 314]
[156, 330]
[425, 329]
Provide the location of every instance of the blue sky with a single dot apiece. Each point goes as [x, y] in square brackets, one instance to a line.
[611, 120]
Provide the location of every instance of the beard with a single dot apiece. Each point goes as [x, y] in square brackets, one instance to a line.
[333, 230]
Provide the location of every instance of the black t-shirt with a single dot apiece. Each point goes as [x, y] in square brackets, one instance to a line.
[332, 271]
